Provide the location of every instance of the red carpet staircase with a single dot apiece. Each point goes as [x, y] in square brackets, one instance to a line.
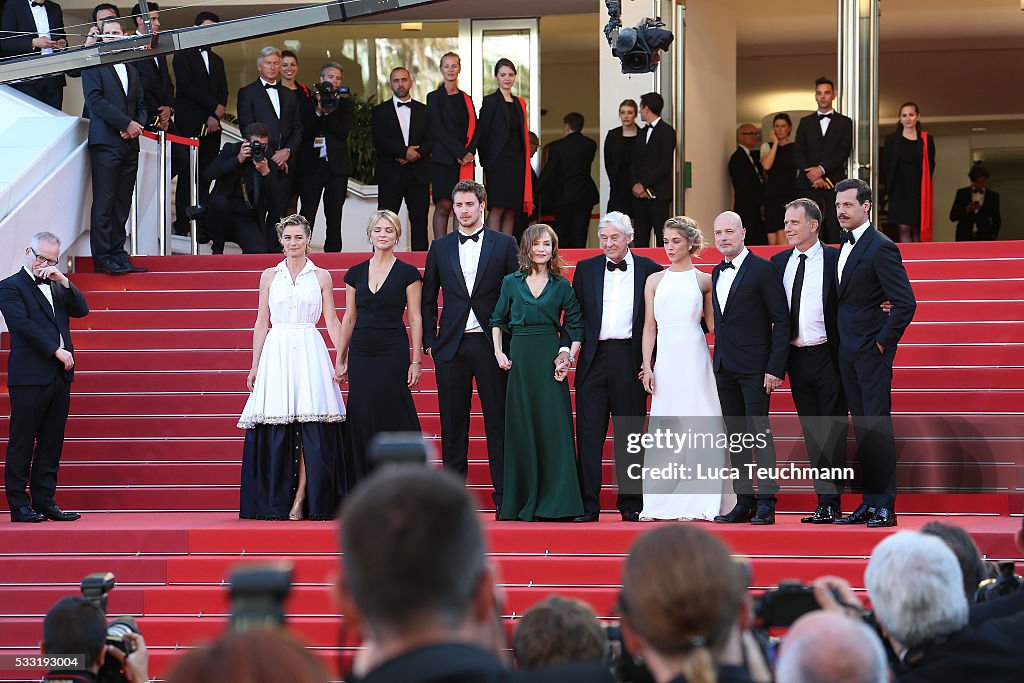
[152, 457]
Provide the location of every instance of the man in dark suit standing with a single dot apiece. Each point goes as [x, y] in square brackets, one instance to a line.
[33, 27]
[468, 266]
[324, 163]
[751, 348]
[566, 176]
[403, 140]
[976, 209]
[652, 171]
[265, 101]
[198, 109]
[113, 95]
[808, 276]
[157, 86]
[747, 178]
[36, 303]
[610, 289]
[822, 148]
[870, 270]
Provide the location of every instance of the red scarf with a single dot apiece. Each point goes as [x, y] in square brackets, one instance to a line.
[468, 171]
[927, 198]
[528, 180]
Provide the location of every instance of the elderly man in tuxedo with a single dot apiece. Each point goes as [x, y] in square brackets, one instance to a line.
[610, 289]
[37, 303]
[35, 27]
[870, 271]
[747, 178]
[751, 347]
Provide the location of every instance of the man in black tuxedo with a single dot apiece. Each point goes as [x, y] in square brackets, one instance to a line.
[157, 86]
[247, 186]
[976, 209]
[36, 303]
[467, 266]
[808, 275]
[265, 101]
[870, 270]
[566, 176]
[31, 27]
[653, 161]
[747, 178]
[822, 147]
[403, 140]
[751, 349]
[198, 109]
[610, 289]
[113, 94]
[324, 164]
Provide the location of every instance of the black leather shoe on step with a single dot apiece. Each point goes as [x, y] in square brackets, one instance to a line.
[861, 515]
[764, 516]
[883, 517]
[740, 514]
[55, 514]
[823, 515]
[586, 517]
[26, 514]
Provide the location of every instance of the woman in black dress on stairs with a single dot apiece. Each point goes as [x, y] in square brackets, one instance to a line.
[619, 147]
[374, 348]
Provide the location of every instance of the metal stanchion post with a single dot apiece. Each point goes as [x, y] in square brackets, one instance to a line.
[193, 176]
[133, 220]
[161, 193]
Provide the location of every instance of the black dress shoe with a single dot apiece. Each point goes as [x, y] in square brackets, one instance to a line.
[630, 516]
[586, 517]
[55, 514]
[824, 514]
[861, 515]
[764, 516]
[883, 517]
[740, 514]
[125, 262]
[26, 514]
[111, 269]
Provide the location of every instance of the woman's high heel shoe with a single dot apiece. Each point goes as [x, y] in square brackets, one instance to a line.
[295, 514]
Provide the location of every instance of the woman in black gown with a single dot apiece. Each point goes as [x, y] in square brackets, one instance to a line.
[504, 151]
[374, 349]
[619, 148]
[780, 171]
[907, 180]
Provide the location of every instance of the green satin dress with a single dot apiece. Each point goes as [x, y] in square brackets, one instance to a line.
[540, 451]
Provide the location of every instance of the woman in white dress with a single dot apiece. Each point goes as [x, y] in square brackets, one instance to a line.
[293, 462]
[682, 383]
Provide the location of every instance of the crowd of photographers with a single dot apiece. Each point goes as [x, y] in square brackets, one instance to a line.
[428, 607]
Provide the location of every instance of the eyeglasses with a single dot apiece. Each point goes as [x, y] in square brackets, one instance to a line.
[43, 259]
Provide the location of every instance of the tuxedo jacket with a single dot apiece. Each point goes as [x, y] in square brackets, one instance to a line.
[653, 160]
[830, 151]
[36, 328]
[390, 145]
[873, 273]
[747, 182]
[495, 127]
[566, 175]
[829, 297]
[157, 86]
[588, 283]
[334, 128]
[498, 258]
[988, 218]
[203, 90]
[110, 110]
[752, 333]
[448, 145]
[254, 105]
[20, 28]
[231, 177]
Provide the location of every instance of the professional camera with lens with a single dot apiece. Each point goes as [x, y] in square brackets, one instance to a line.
[1006, 583]
[328, 96]
[625, 667]
[638, 48]
[95, 588]
[258, 592]
[257, 150]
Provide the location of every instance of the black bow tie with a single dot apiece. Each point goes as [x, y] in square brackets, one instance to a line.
[403, 104]
[824, 116]
[41, 280]
[726, 265]
[847, 236]
[465, 238]
[269, 86]
[621, 265]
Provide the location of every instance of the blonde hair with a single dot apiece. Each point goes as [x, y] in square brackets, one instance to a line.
[390, 216]
[533, 233]
[689, 229]
[294, 219]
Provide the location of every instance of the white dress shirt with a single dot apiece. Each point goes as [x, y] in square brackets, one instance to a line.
[273, 94]
[844, 253]
[122, 73]
[404, 114]
[469, 259]
[42, 24]
[825, 121]
[205, 54]
[726, 277]
[650, 129]
[978, 196]
[617, 304]
[812, 308]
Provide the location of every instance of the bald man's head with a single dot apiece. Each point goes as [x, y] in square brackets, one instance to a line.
[824, 647]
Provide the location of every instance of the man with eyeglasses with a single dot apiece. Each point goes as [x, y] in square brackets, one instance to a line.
[37, 303]
[747, 178]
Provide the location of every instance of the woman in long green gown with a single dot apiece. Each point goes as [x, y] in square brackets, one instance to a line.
[540, 451]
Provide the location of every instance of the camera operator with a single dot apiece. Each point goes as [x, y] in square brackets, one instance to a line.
[324, 163]
[247, 187]
[76, 626]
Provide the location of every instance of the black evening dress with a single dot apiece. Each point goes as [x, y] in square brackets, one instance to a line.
[620, 195]
[780, 188]
[905, 190]
[506, 174]
[444, 176]
[379, 399]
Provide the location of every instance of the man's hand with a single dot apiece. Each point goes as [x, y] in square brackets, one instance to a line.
[814, 173]
[819, 184]
[163, 112]
[562, 359]
[65, 357]
[135, 664]
[219, 111]
[60, 44]
[212, 124]
[43, 43]
[412, 153]
[262, 166]
[771, 383]
[638, 190]
[881, 349]
[53, 273]
[133, 130]
[243, 152]
[835, 595]
[281, 157]
[468, 159]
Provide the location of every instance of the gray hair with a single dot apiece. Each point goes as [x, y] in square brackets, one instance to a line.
[266, 52]
[822, 647]
[619, 220]
[916, 587]
[40, 237]
[330, 65]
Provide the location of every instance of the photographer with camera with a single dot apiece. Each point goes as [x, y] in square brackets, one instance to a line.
[323, 162]
[247, 188]
[77, 626]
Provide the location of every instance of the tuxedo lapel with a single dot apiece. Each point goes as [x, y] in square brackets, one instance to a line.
[486, 249]
[37, 294]
[639, 282]
[714, 291]
[453, 259]
[736, 285]
[851, 261]
[598, 287]
[396, 125]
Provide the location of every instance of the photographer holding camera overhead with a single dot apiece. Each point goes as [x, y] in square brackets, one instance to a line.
[248, 186]
[76, 626]
[324, 164]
